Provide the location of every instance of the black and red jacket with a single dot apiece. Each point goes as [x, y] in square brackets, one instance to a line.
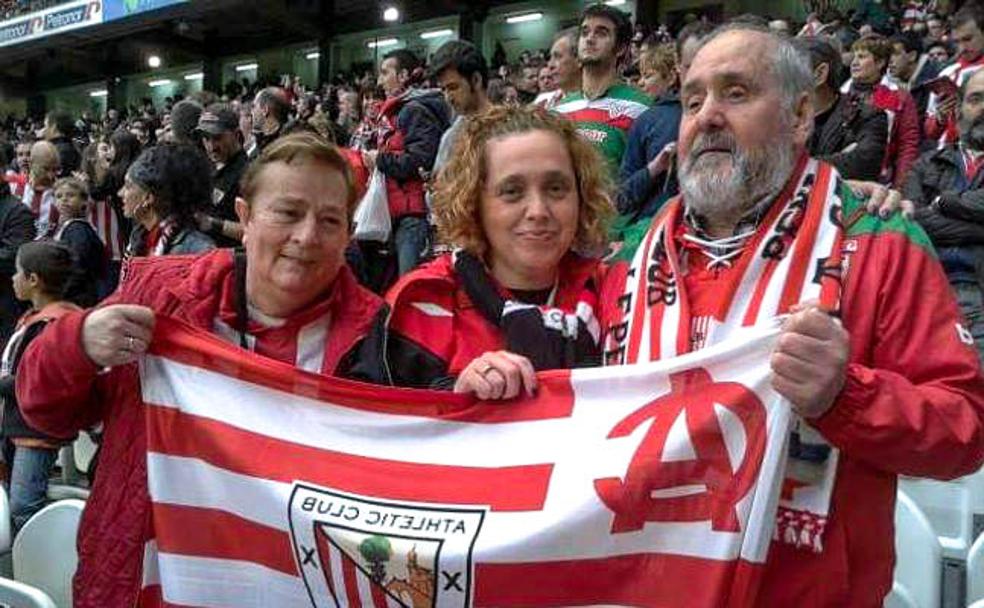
[413, 125]
[435, 330]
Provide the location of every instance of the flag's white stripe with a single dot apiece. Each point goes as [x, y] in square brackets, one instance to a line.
[219, 583]
[192, 482]
[337, 577]
[311, 342]
[365, 589]
[308, 422]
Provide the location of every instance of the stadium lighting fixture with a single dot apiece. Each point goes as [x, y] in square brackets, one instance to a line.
[524, 18]
[614, 2]
[163, 82]
[382, 42]
[99, 93]
[154, 61]
[194, 76]
[436, 34]
[391, 14]
[313, 55]
[247, 67]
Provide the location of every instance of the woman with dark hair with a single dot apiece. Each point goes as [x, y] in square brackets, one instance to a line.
[44, 271]
[161, 192]
[106, 214]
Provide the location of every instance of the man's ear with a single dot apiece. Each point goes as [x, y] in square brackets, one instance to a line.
[820, 74]
[803, 119]
[242, 210]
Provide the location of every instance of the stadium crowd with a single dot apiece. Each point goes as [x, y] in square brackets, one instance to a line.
[502, 191]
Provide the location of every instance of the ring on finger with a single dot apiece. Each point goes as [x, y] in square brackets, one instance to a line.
[485, 369]
[130, 344]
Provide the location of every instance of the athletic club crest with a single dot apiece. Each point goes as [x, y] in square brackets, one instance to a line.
[357, 551]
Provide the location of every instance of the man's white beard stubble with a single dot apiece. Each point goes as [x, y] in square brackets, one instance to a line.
[725, 185]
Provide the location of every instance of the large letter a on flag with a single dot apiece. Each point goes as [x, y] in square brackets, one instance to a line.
[695, 393]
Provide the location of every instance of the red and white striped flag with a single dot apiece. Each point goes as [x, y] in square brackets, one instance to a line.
[645, 485]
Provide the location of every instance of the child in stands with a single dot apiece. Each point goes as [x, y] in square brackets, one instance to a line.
[44, 270]
[75, 231]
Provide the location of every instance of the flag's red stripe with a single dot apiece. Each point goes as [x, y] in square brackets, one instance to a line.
[751, 315]
[201, 532]
[602, 116]
[351, 585]
[635, 337]
[647, 580]
[182, 343]
[799, 268]
[378, 595]
[516, 488]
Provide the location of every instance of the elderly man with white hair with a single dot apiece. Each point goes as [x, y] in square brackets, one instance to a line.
[873, 355]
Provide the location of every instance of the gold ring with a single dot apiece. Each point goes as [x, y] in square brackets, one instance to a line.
[129, 344]
[485, 370]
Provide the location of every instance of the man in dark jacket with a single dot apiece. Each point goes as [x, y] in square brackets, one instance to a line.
[219, 130]
[59, 129]
[414, 121]
[847, 132]
[947, 187]
[16, 228]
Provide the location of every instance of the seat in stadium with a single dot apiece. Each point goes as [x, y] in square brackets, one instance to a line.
[5, 531]
[44, 550]
[950, 507]
[19, 595]
[918, 554]
[975, 571]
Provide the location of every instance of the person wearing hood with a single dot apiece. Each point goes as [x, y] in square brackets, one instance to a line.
[413, 121]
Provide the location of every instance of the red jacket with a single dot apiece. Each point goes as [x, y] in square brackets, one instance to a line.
[435, 331]
[912, 404]
[61, 391]
[944, 128]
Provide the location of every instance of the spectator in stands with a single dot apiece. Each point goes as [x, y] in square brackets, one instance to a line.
[291, 283]
[911, 68]
[564, 66]
[525, 201]
[184, 121]
[939, 54]
[75, 231]
[44, 271]
[862, 380]
[219, 130]
[947, 186]
[162, 190]
[107, 216]
[16, 228]
[271, 111]
[527, 84]
[246, 129]
[19, 172]
[140, 127]
[59, 129]
[936, 30]
[416, 118]
[868, 82]
[941, 111]
[604, 109]
[349, 112]
[38, 195]
[462, 74]
[646, 179]
[544, 82]
[847, 132]
[687, 43]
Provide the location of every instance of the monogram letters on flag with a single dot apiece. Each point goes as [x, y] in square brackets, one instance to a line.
[643, 485]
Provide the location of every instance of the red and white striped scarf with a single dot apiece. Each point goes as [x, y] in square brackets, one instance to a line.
[794, 256]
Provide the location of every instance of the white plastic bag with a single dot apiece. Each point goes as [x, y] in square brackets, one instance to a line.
[372, 217]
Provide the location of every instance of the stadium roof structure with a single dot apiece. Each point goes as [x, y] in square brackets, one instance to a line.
[188, 32]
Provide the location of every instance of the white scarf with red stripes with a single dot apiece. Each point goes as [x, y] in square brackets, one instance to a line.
[794, 256]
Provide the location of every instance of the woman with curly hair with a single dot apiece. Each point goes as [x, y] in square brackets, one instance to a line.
[524, 202]
[162, 190]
